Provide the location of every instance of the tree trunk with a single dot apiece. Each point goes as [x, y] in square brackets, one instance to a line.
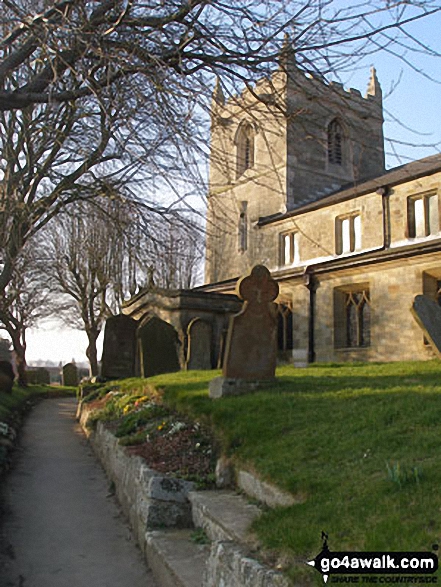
[20, 361]
[91, 352]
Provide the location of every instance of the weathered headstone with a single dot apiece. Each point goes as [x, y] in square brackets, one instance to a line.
[7, 376]
[199, 345]
[38, 376]
[70, 375]
[427, 313]
[119, 348]
[5, 350]
[158, 347]
[251, 348]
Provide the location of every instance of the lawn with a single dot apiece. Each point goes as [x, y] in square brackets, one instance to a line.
[359, 442]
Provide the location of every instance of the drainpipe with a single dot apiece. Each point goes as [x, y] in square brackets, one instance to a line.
[384, 193]
[311, 282]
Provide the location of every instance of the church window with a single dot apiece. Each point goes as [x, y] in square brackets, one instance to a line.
[243, 228]
[244, 149]
[352, 317]
[423, 215]
[335, 143]
[347, 234]
[289, 249]
[284, 327]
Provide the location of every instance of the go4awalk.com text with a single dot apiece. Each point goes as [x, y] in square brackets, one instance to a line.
[376, 567]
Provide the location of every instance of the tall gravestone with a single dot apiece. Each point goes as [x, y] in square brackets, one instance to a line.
[158, 347]
[7, 376]
[251, 347]
[70, 375]
[427, 313]
[199, 345]
[119, 348]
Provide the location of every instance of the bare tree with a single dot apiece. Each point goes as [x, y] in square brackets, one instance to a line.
[176, 254]
[23, 304]
[83, 47]
[97, 254]
[89, 265]
[117, 90]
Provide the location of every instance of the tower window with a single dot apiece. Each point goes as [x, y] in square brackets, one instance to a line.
[244, 149]
[243, 228]
[335, 143]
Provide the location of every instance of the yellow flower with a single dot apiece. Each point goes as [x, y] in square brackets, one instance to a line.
[126, 409]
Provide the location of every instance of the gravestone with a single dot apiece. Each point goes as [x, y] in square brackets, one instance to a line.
[251, 347]
[70, 375]
[38, 376]
[7, 376]
[119, 348]
[427, 313]
[199, 345]
[158, 347]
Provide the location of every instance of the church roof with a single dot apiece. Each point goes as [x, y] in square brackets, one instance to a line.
[397, 175]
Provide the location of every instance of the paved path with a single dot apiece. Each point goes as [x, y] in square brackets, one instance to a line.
[60, 527]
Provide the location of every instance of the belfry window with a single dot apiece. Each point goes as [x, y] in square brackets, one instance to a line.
[335, 143]
[244, 149]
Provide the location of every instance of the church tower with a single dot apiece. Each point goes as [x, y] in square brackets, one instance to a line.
[287, 141]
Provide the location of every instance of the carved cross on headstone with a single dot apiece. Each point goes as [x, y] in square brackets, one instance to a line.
[258, 287]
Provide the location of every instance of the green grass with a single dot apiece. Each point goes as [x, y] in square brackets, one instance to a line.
[13, 403]
[360, 442]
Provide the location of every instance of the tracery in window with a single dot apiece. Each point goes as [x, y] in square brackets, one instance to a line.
[352, 316]
[358, 319]
[284, 327]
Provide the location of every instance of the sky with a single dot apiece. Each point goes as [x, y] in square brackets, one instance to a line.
[412, 118]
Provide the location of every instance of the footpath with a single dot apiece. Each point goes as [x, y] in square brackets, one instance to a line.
[60, 525]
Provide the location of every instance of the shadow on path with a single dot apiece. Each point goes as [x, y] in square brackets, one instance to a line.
[60, 527]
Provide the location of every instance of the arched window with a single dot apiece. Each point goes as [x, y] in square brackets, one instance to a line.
[335, 142]
[244, 148]
[285, 329]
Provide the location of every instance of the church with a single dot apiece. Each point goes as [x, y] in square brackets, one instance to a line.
[298, 183]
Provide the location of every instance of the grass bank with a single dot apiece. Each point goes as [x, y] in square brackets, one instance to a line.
[360, 443]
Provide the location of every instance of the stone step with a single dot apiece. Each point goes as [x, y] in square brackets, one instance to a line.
[223, 515]
[176, 560]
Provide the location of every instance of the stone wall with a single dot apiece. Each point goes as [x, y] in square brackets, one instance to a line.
[148, 499]
[153, 502]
